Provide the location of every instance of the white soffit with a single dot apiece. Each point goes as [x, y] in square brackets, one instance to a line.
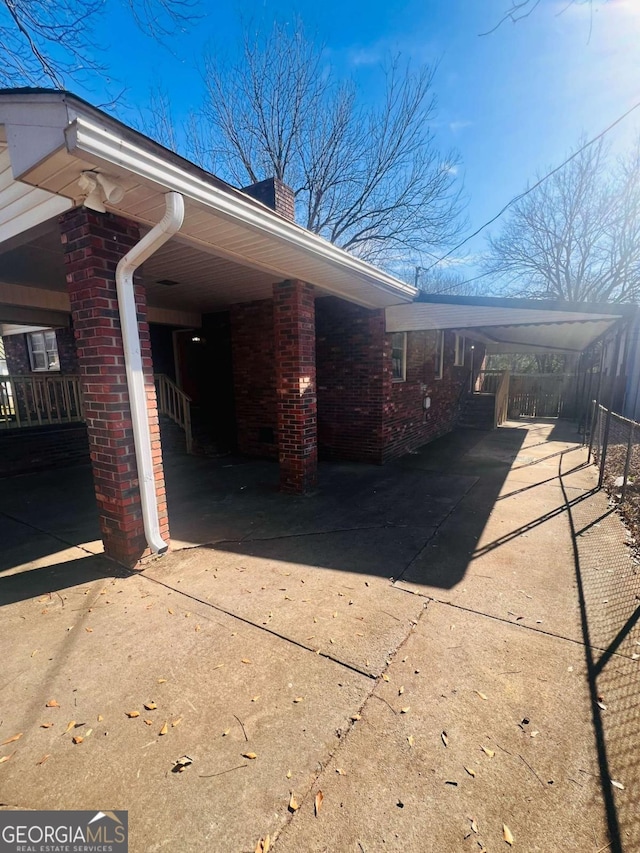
[505, 329]
[22, 206]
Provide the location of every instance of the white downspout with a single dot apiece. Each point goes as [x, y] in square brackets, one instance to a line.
[159, 234]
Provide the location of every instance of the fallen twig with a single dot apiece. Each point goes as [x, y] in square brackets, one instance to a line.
[222, 772]
[532, 770]
[243, 728]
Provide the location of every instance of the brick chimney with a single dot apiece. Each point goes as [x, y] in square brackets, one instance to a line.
[275, 194]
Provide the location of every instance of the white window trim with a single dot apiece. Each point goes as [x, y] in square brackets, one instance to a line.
[459, 351]
[402, 378]
[32, 360]
[439, 355]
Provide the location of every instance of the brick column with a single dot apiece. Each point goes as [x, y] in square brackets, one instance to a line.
[295, 355]
[93, 244]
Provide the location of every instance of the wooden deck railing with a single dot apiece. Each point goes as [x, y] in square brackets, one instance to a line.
[175, 404]
[28, 401]
[502, 399]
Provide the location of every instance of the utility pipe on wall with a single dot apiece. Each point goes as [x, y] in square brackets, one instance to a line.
[150, 243]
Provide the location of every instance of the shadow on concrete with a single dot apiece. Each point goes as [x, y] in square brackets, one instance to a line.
[609, 613]
[51, 579]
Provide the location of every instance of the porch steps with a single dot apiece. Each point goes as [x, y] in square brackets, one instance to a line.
[478, 411]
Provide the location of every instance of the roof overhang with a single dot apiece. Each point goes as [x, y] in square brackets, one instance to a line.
[512, 325]
[52, 137]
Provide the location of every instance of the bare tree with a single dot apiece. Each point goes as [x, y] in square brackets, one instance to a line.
[368, 178]
[452, 282]
[44, 42]
[520, 9]
[576, 236]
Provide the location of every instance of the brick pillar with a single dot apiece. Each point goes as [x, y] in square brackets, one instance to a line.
[93, 244]
[295, 355]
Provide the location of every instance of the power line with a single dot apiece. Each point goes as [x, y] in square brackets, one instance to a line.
[535, 186]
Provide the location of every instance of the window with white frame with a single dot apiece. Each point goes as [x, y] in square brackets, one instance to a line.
[399, 356]
[43, 350]
[458, 360]
[438, 363]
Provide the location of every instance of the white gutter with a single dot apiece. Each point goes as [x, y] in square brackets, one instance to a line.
[151, 242]
[96, 141]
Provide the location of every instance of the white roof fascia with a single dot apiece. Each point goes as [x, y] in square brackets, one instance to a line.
[430, 315]
[85, 137]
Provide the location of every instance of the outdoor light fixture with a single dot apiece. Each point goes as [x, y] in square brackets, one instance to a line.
[195, 339]
[98, 189]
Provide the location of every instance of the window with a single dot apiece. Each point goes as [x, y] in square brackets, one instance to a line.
[458, 360]
[438, 362]
[43, 350]
[399, 356]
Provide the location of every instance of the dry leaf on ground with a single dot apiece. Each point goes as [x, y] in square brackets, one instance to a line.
[250, 755]
[164, 729]
[176, 722]
[6, 757]
[481, 695]
[12, 739]
[45, 725]
[506, 834]
[489, 752]
[150, 706]
[70, 725]
[410, 740]
[263, 845]
[293, 803]
[77, 739]
[132, 714]
[298, 699]
[245, 660]
[44, 758]
[474, 825]
[405, 710]
[52, 704]
[617, 785]
[148, 722]
[163, 680]
[445, 739]
[317, 804]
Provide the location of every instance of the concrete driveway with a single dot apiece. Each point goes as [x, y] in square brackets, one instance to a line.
[412, 660]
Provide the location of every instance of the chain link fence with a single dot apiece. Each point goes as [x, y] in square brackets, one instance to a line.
[615, 443]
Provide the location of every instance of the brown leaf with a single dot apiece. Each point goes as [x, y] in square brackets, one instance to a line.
[176, 722]
[77, 739]
[250, 755]
[225, 732]
[481, 695]
[470, 771]
[293, 803]
[489, 752]
[263, 845]
[405, 710]
[506, 834]
[12, 739]
[245, 660]
[150, 706]
[43, 759]
[163, 680]
[298, 699]
[52, 704]
[34, 652]
[400, 691]
[385, 677]
[255, 698]
[356, 717]
[70, 725]
[7, 757]
[89, 630]
[164, 729]
[132, 714]
[45, 725]
[317, 803]
[170, 611]
[148, 722]
[340, 771]
[445, 739]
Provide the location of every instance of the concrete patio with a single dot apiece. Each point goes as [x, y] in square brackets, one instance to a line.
[441, 646]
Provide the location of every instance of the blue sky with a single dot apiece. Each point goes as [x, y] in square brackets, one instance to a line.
[513, 102]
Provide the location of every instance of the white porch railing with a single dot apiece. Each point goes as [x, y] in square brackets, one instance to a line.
[28, 401]
[175, 404]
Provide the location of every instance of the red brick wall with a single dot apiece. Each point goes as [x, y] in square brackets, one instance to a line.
[349, 360]
[93, 245]
[17, 353]
[406, 423]
[254, 378]
[295, 345]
